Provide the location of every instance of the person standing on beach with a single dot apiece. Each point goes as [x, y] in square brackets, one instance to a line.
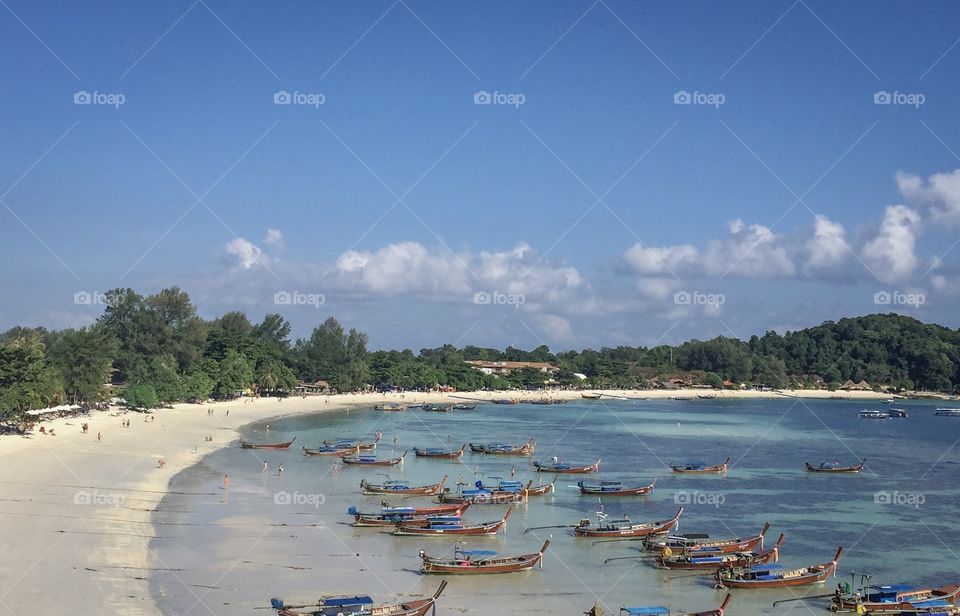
[98, 436]
[266, 467]
[226, 482]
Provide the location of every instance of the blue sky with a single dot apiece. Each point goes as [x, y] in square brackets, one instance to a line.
[585, 201]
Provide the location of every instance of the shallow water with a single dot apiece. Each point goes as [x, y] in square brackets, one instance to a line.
[288, 536]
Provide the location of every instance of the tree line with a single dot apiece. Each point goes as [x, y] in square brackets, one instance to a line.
[155, 350]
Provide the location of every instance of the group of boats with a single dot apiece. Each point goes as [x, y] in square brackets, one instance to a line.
[902, 414]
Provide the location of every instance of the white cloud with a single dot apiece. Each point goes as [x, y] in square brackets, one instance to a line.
[555, 328]
[274, 238]
[891, 255]
[941, 191]
[406, 267]
[827, 248]
[660, 261]
[244, 253]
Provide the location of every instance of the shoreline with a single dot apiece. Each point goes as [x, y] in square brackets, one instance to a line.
[78, 510]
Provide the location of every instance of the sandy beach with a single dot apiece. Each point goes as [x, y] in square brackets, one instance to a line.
[77, 509]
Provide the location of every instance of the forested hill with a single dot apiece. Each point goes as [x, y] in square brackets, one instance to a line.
[156, 349]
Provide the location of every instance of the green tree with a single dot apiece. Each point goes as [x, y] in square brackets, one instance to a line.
[84, 359]
[141, 396]
[235, 375]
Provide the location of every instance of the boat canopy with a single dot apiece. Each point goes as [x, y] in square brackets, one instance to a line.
[762, 568]
[345, 601]
[478, 552]
[642, 611]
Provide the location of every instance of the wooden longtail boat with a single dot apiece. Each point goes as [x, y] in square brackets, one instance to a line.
[699, 468]
[391, 516]
[390, 406]
[506, 401]
[591, 396]
[356, 443]
[662, 611]
[773, 576]
[467, 562]
[396, 486]
[714, 562]
[437, 529]
[896, 597]
[613, 488]
[503, 449]
[437, 408]
[439, 453]
[624, 528]
[719, 546]
[249, 445]
[833, 467]
[502, 494]
[541, 488]
[331, 450]
[368, 460]
[947, 412]
[564, 468]
[335, 606]
[464, 407]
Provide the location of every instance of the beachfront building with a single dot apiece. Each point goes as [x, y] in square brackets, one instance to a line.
[506, 367]
[312, 389]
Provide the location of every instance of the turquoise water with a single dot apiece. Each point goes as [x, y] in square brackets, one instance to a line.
[287, 535]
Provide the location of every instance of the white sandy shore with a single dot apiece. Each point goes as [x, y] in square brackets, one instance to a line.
[76, 511]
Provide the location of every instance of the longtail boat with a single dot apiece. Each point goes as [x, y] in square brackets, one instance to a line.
[392, 516]
[437, 408]
[355, 443]
[501, 494]
[541, 488]
[249, 445]
[896, 597]
[947, 412]
[466, 562]
[658, 610]
[396, 486]
[613, 488]
[692, 545]
[331, 450]
[434, 529]
[503, 449]
[368, 460]
[464, 407]
[334, 606]
[390, 406]
[699, 468]
[773, 576]
[834, 467]
[506, 401]
[591, 396]
[565, 468]
[714, 562]
[623, 528]
[433, 452]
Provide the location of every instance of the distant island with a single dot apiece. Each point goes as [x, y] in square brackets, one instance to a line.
[154, 350]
